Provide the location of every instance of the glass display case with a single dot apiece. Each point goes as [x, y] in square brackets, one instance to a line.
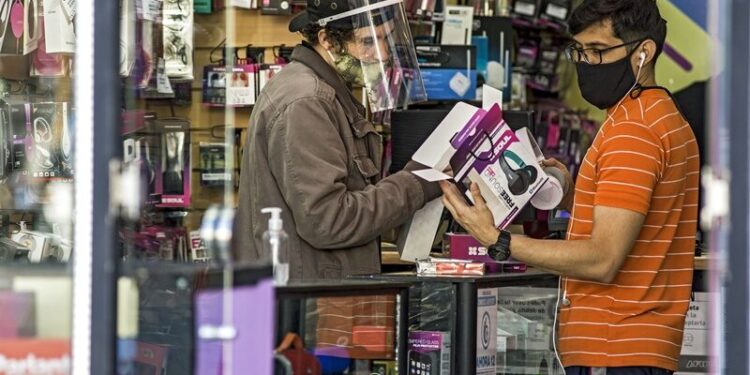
[193, 319]
[497, 323]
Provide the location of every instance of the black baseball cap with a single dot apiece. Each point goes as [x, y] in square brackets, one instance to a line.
[317, 9]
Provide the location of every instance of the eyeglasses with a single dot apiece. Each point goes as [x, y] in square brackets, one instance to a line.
[591, 56]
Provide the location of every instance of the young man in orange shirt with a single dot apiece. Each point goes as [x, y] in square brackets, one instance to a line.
[627, 263]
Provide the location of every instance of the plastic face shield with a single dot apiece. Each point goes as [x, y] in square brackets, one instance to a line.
[384, 46]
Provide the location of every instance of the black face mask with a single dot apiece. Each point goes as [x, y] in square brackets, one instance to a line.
[603, 85]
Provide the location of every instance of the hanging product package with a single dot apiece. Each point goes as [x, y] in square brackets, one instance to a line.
[214, 171]
[51, 154]
[44, 64]
[177, 21]
[32, 17]
[229, 86]
[141, 147]
[175, 175]
[59, 29]
[12, 23]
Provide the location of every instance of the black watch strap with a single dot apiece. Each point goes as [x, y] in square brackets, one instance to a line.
[500, 250]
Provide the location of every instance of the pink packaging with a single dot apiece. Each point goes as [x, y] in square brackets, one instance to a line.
[464, 246]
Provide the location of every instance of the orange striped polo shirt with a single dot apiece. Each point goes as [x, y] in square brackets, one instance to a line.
[645, 159]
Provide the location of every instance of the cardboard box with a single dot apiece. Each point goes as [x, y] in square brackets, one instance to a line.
[464, 246]
[457, 25]
[429, 353]
[479, 147]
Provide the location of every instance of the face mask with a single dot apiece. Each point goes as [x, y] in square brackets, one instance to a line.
[603, 85]
[354, 71]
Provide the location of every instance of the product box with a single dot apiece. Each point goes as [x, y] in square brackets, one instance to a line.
[479, 147]
[198, 251]
[23, 141]
[173, 181]
[151, 359]
[59, 29]
[429, 353]
[486, 331]
[694, 358]
[52, 153]
[457, 25]
[229, 87]
[214, 171]
[449, 72]
[499, 34]
[464, 246]
[142, 147]
[32, 18]
[449, 267]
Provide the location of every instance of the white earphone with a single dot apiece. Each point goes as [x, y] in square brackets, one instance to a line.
[642, 57]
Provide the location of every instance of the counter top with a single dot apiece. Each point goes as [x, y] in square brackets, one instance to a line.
[498, 279]
[391, 258]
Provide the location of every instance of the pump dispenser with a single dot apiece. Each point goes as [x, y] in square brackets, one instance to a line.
[275, 243]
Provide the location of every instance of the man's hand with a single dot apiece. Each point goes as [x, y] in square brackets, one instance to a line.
[477, 219]
[567, 202]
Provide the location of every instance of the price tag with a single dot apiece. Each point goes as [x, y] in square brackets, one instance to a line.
[557, 11]
[163, 86]
[526, 9]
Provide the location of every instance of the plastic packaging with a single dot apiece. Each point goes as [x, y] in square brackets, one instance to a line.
[275, 243]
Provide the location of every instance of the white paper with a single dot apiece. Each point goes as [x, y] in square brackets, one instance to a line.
[59, 30]
[417, 236]
[525, 8]
[436, 151]
[163, 86]
[69, 7]
[491, 96]
[431, 175]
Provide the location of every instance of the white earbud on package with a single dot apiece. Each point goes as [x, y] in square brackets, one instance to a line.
[460, 84]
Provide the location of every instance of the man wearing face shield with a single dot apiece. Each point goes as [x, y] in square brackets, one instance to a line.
[627, 264]
[312, 152]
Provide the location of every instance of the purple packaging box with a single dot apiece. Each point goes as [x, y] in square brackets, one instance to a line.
[464, 246]
[253, 319]
[429, 353]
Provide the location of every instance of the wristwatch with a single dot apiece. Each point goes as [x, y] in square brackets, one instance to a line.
[500, 250]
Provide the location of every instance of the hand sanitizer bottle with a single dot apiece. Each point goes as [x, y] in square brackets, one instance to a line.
[275, 243]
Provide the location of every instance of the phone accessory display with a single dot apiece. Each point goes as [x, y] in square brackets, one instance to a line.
[52, 142]
[59, 28]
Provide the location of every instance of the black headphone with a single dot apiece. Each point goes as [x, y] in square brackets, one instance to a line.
[519, 180]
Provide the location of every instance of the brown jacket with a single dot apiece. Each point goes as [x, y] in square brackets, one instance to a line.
[311, 152]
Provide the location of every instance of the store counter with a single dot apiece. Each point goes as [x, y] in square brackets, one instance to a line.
[452, 305]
